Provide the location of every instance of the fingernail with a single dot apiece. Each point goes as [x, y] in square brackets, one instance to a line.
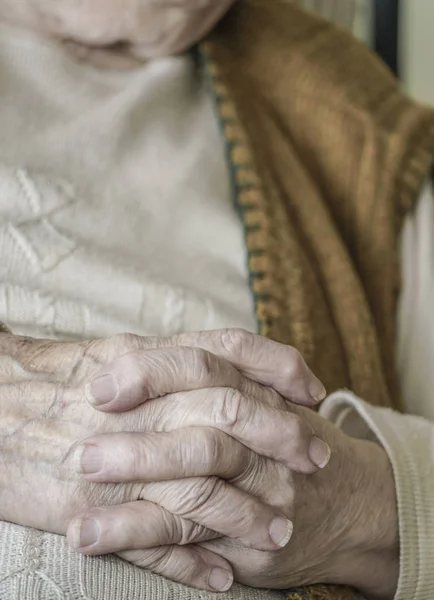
[317, 390]
[102, 389]
[220, 580]
[89, 459]
[281, 531]
[85, 533]
[319, 453]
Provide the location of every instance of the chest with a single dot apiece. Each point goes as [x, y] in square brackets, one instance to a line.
[115, 201]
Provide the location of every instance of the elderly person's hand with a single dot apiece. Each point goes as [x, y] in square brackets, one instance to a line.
[208, 404]
[345, 523]
[345, 516]
[119, 33]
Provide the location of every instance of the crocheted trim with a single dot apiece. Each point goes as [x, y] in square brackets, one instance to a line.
[247, 190]
[323, 592]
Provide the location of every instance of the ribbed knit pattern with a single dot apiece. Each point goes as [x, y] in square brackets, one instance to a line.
[37, 566]
[409, 442]
[328, 156]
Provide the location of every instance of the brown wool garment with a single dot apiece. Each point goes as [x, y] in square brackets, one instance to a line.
[328, 156]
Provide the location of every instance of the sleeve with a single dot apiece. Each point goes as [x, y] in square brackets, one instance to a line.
[409, 443]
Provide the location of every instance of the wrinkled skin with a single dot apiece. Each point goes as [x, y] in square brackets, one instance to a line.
[211, 424]
[119, 33]
[344, 515]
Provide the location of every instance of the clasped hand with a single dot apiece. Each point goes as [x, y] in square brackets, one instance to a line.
[186, 433]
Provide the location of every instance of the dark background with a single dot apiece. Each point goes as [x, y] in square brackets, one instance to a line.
[386, 32]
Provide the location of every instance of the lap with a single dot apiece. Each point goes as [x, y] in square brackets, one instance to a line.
[40, 565]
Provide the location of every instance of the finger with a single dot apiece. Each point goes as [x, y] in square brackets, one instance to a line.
[190, 565]
[262, 360]
[265, 361]
[189, 452]
[142, 375]
[278, 434]
[219, 506]
[270, 482]
[131, 526]
[250, 568]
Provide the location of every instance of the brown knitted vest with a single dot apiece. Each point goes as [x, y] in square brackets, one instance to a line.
[327, 157]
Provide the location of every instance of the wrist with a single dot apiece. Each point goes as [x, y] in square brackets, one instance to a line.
[373, 538]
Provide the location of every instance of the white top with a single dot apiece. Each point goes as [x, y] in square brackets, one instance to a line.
[416, 311]
[116, 215]
[115, 199]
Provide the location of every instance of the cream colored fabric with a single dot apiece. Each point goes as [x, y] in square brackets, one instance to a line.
[115, 199]
[38, 566]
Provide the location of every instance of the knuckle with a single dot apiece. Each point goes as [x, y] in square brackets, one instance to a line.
[236, 341]
[128, 369]
[128, 364]
[228, 408]
[202, 364]
[125, 342]
[295, 366]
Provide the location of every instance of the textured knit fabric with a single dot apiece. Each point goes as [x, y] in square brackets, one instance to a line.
[303, 99]
[37, 566]
[134, 232]
[409, 442]
[322, 241]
